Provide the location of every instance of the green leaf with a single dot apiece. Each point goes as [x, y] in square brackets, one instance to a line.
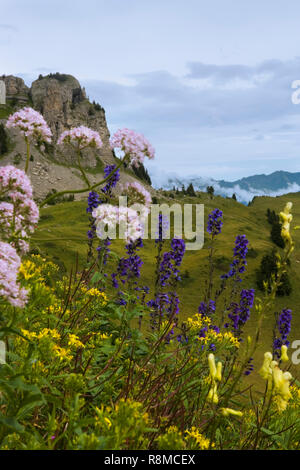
[11, 422]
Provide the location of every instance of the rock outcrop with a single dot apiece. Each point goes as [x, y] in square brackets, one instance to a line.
[64, 104]
[16, 90]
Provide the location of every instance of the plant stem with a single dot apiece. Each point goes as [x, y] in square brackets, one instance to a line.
[81, 169]
[77, 191]
[28, 154]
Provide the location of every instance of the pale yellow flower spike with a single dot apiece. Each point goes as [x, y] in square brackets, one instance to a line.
[265, 369]
[278, 381]
[285, 390]
[212, 365]
[230, 411]
[219, 372]
[278, 378]
[213, 395]
[286, 218]
[284, 357]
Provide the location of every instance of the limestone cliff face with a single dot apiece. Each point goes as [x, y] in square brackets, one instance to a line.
[63, 103]
[16, 89]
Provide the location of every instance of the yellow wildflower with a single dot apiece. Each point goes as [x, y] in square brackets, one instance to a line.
[213, 395]
[230, 411]
[219, 372]
[48, 332]
[74, 341]
[284, 357]
[62, 353]
[212, 366]
[202, 441]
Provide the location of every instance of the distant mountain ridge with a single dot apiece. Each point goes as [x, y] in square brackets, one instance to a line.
[274, 184]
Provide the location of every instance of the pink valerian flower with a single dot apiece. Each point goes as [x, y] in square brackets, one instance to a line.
[9, 267]
[134, 145]
[19, 214]
[17, 221]
[31, 124]
[136, 193]
[109, 216]
[81, 137]
[13, 180]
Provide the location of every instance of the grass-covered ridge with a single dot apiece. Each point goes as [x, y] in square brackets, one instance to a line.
[69, 221]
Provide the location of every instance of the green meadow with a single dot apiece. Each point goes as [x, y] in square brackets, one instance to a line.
[61, 235]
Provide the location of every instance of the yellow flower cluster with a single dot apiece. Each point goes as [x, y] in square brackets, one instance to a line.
[203, 442]
[97, 338]
[286, 219]
[198, 322]
[31, 335]
[93, 292]
[278, 381]
[62, 353]
[74, 341]
[53, 335]
[28, 270]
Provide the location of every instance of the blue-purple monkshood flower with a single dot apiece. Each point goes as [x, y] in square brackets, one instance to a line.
[238, 266]
[93, 201]
[112, 182]
[165, 306]
[144, 290]
[129, 268]
[284, 329]
[121, 300]
[104, 248]
[183, 339]
[249, 367]
[215, 222]
[239, 314]
[171, 261]
[162, 227]
[207, 309]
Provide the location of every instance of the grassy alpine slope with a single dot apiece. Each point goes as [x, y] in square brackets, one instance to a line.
[69, 222]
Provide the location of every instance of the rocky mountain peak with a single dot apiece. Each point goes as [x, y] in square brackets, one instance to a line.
[63, 102]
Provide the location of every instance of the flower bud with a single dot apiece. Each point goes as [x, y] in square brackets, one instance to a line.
[284, 357]
[219, 372]
[230, 411]
[213, 395]
[212, 366]
[265, 369]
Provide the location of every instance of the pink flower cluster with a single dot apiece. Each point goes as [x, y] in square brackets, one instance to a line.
[17, 221]
[81, 137]
[18, 218]
[136, 193]
[134, 145]
[109, 216]
[9, 266]
[31, 124]
[13, 180]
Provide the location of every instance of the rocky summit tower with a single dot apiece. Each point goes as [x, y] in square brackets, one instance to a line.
[64, 104]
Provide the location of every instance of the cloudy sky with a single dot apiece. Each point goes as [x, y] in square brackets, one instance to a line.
[209, 83]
